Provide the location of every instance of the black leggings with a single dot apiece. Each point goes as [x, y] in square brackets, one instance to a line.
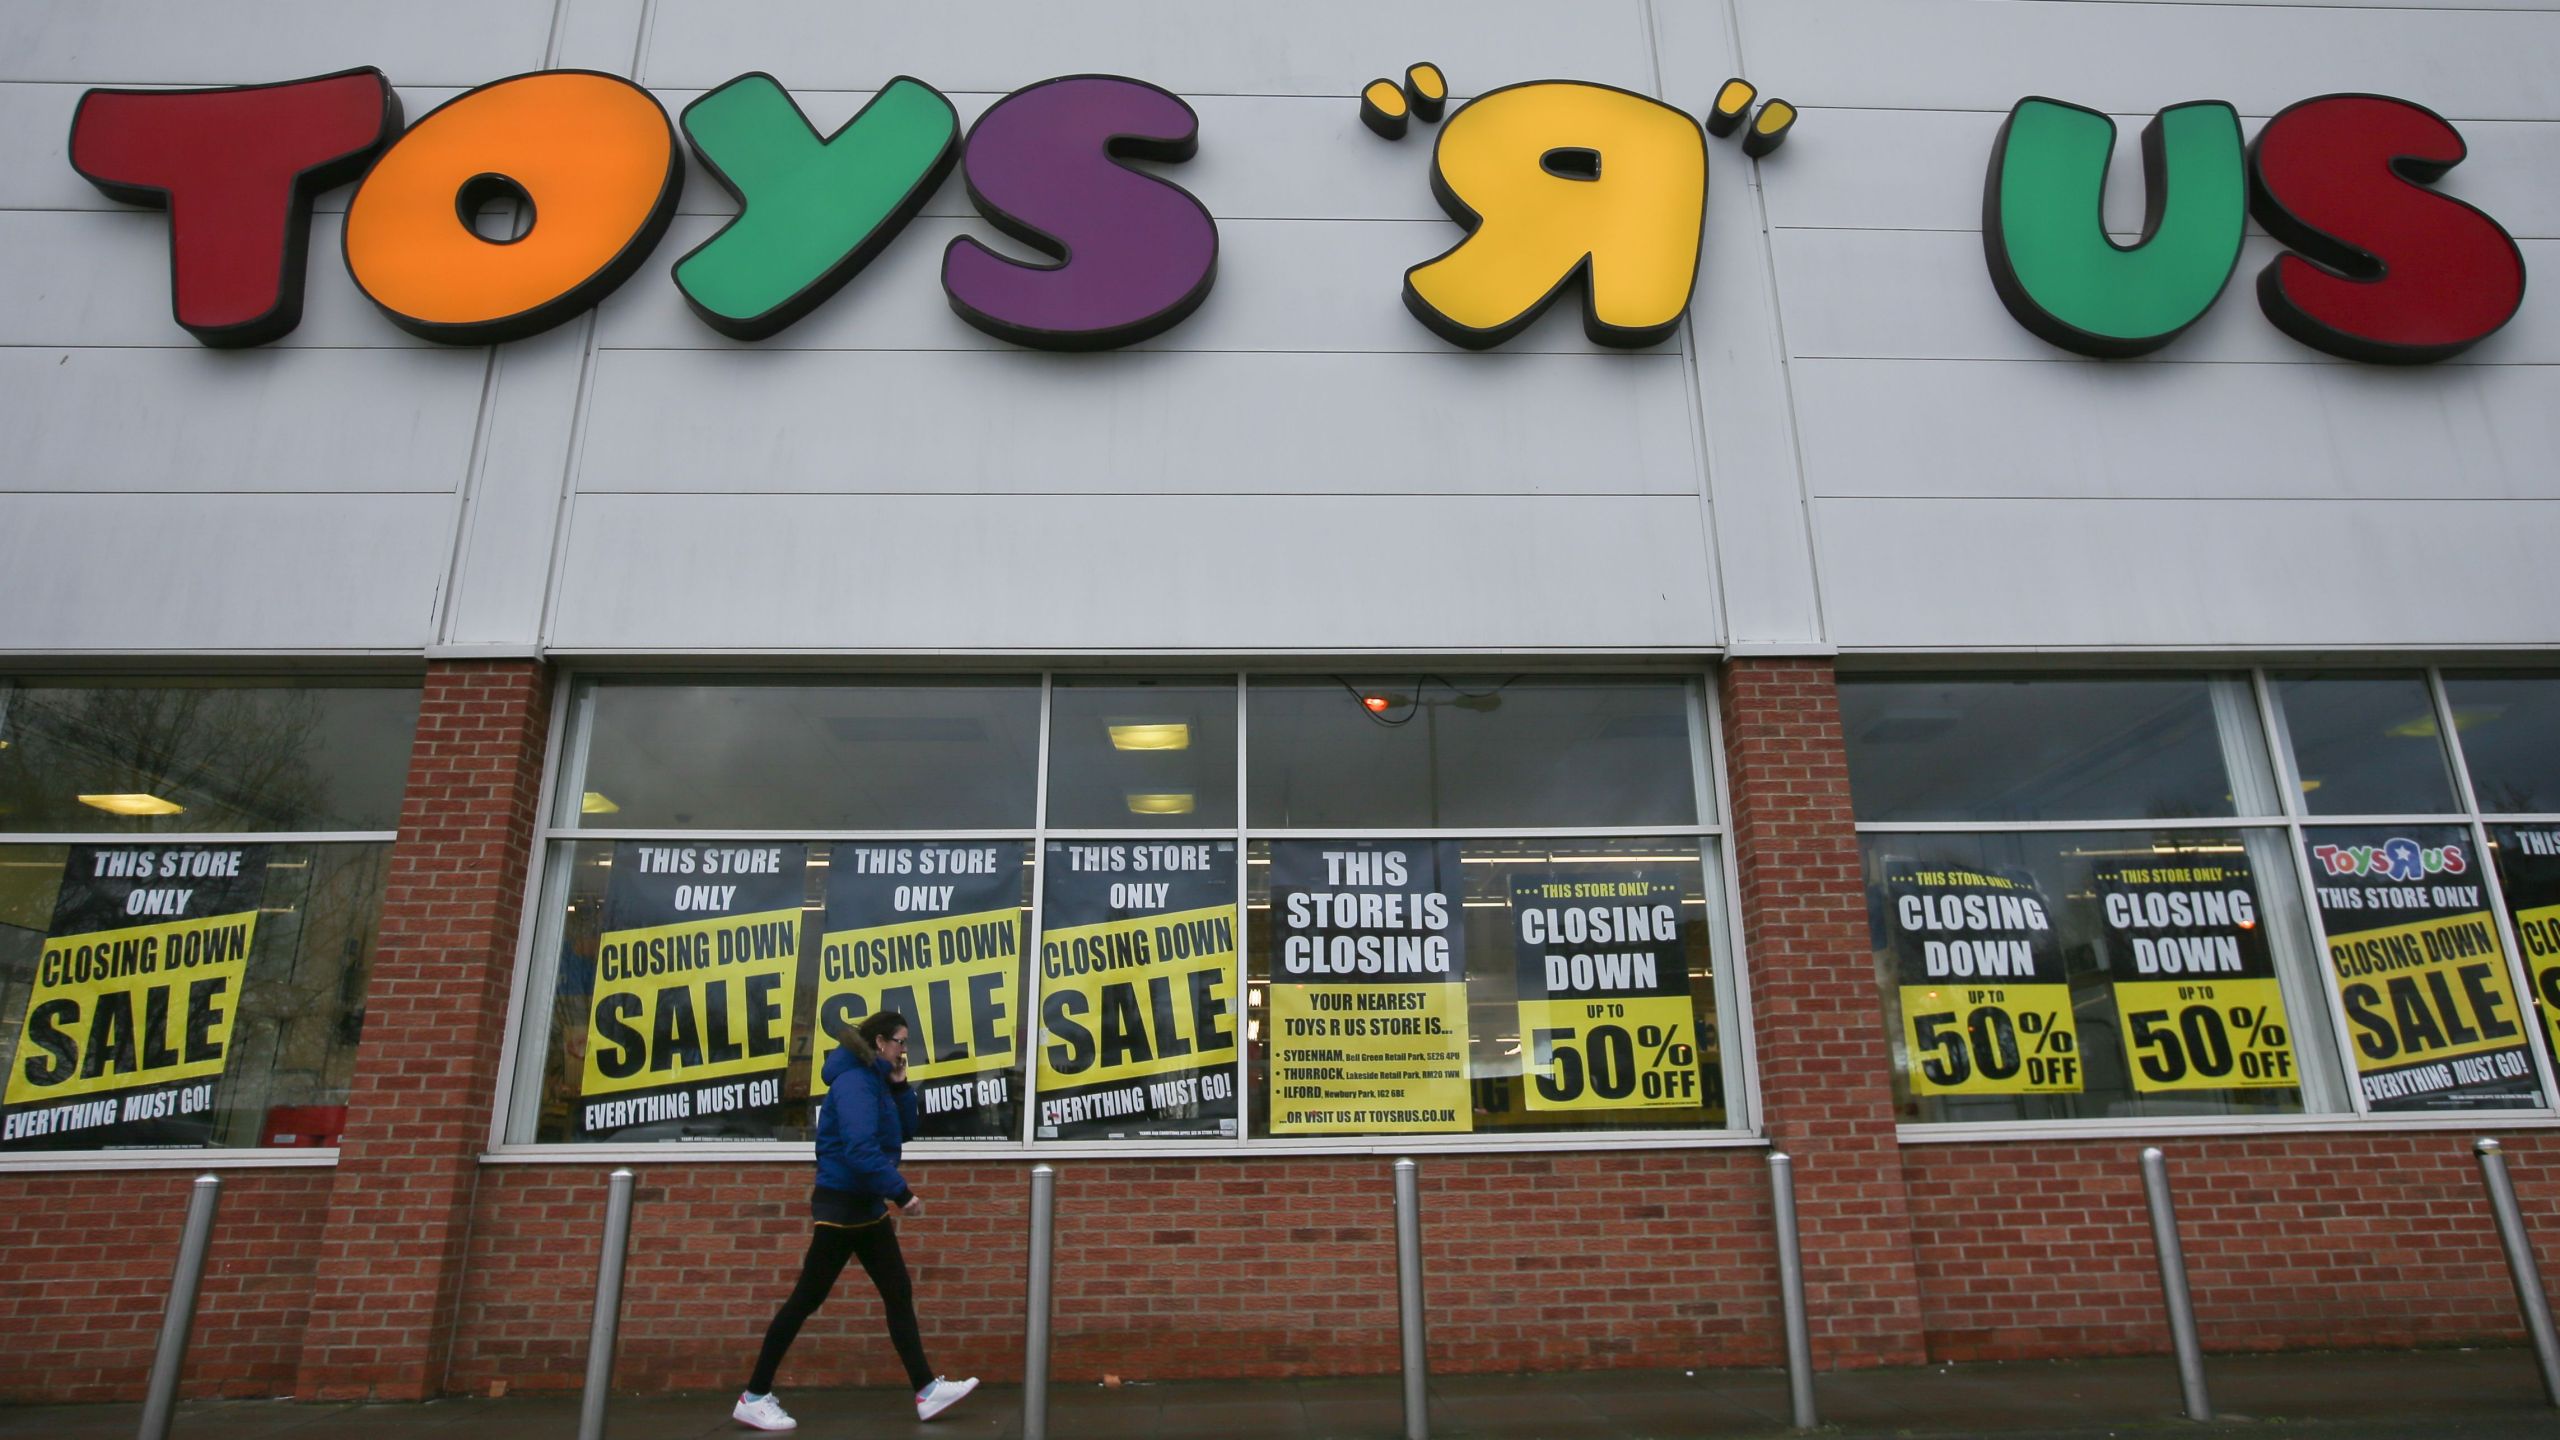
[829, 1247]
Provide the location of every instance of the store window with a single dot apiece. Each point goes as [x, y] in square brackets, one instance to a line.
[2082, 900]
[1450, 906]
[2437, 1015]
[187, 918]
[2508, 728]
[2111, 897]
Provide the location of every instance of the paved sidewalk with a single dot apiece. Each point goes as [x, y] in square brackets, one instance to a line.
[2458, 1394]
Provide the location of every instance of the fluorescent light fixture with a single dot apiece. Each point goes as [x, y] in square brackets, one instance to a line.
[2424, 727]
[1179, 802]
[594, 803]
[133, 804]
[1149, 734]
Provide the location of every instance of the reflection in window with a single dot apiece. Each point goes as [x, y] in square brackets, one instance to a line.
[1143, 754]
[2136, 748]
[2528, 859]
[2509, 727]
[1137, 1007]
[784, 755]
[2433, 1016]
[2097, 974]
[1367, 751]
[240, 1049]
[205, 755]
[1663, 1073]
[933, 929]
[2365, 744]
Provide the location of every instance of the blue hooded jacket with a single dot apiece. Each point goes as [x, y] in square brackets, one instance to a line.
[863, 1122]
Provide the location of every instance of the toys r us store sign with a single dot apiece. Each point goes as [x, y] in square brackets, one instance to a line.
[1562, 187]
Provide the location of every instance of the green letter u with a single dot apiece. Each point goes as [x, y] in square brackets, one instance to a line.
[2051, 258]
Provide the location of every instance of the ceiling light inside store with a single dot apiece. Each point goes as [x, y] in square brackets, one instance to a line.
[133, 804]
[1178, 803]
[2424, 727]
[594, 803]
[1376, 704]
[1149, 735]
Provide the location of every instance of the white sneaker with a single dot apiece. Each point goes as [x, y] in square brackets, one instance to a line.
[941, 1395]
[764, 1412]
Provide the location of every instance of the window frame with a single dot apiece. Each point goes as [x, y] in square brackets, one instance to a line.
[538, 935]
[2293, 821]
[208, 1157]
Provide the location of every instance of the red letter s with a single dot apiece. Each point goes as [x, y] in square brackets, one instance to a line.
[2389, 272]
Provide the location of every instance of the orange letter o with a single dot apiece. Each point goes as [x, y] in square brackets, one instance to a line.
[595, 155]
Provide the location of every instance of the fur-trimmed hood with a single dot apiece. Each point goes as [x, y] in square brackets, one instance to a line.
[851, 1050]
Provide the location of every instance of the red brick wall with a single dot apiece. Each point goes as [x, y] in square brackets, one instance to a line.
[418, 1112]
[1624, 1259]
[84, 1274]
[1825, 1073]
[1166, 1269]
[2038, 1249]
[714, 1249]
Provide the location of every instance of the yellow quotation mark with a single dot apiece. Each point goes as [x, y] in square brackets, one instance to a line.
[1388, 108]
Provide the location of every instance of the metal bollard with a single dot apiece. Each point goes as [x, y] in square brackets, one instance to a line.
[608, 1321]
[1035, 1322]
[2520, 1267]
[1782, 1201]
[1417, 1358]
[2173, 1283]
[160, 1401]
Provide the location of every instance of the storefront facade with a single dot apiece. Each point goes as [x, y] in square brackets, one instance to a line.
[1261, 688]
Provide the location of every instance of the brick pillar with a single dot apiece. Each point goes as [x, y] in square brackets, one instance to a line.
[391, 1252]
[1825, 1077]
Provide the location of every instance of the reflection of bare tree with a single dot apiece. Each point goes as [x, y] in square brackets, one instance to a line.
[301, 1004]
[2510, 798]
[237, 757]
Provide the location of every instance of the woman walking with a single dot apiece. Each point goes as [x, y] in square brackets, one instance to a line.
[867, 1115]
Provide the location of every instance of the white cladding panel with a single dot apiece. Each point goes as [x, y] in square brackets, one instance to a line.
[931, 573]
[1974, 487]
[1852, 444]
[231, 572]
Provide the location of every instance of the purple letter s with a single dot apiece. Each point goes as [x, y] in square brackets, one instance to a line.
[1136, 254]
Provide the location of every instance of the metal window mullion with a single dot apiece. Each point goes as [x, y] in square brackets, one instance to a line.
[572, 745]
[2048, 827]
[815, 837]
[1184, 833]
[1737, 984]
[1706, 755]
[1481, 832]
[1031, 1022]
[2518, 973]
[2289, 791]
[528, 937]
[537, 984]
[1244, 966]
[252, 837]
[2454, 759]
[2279, 744]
